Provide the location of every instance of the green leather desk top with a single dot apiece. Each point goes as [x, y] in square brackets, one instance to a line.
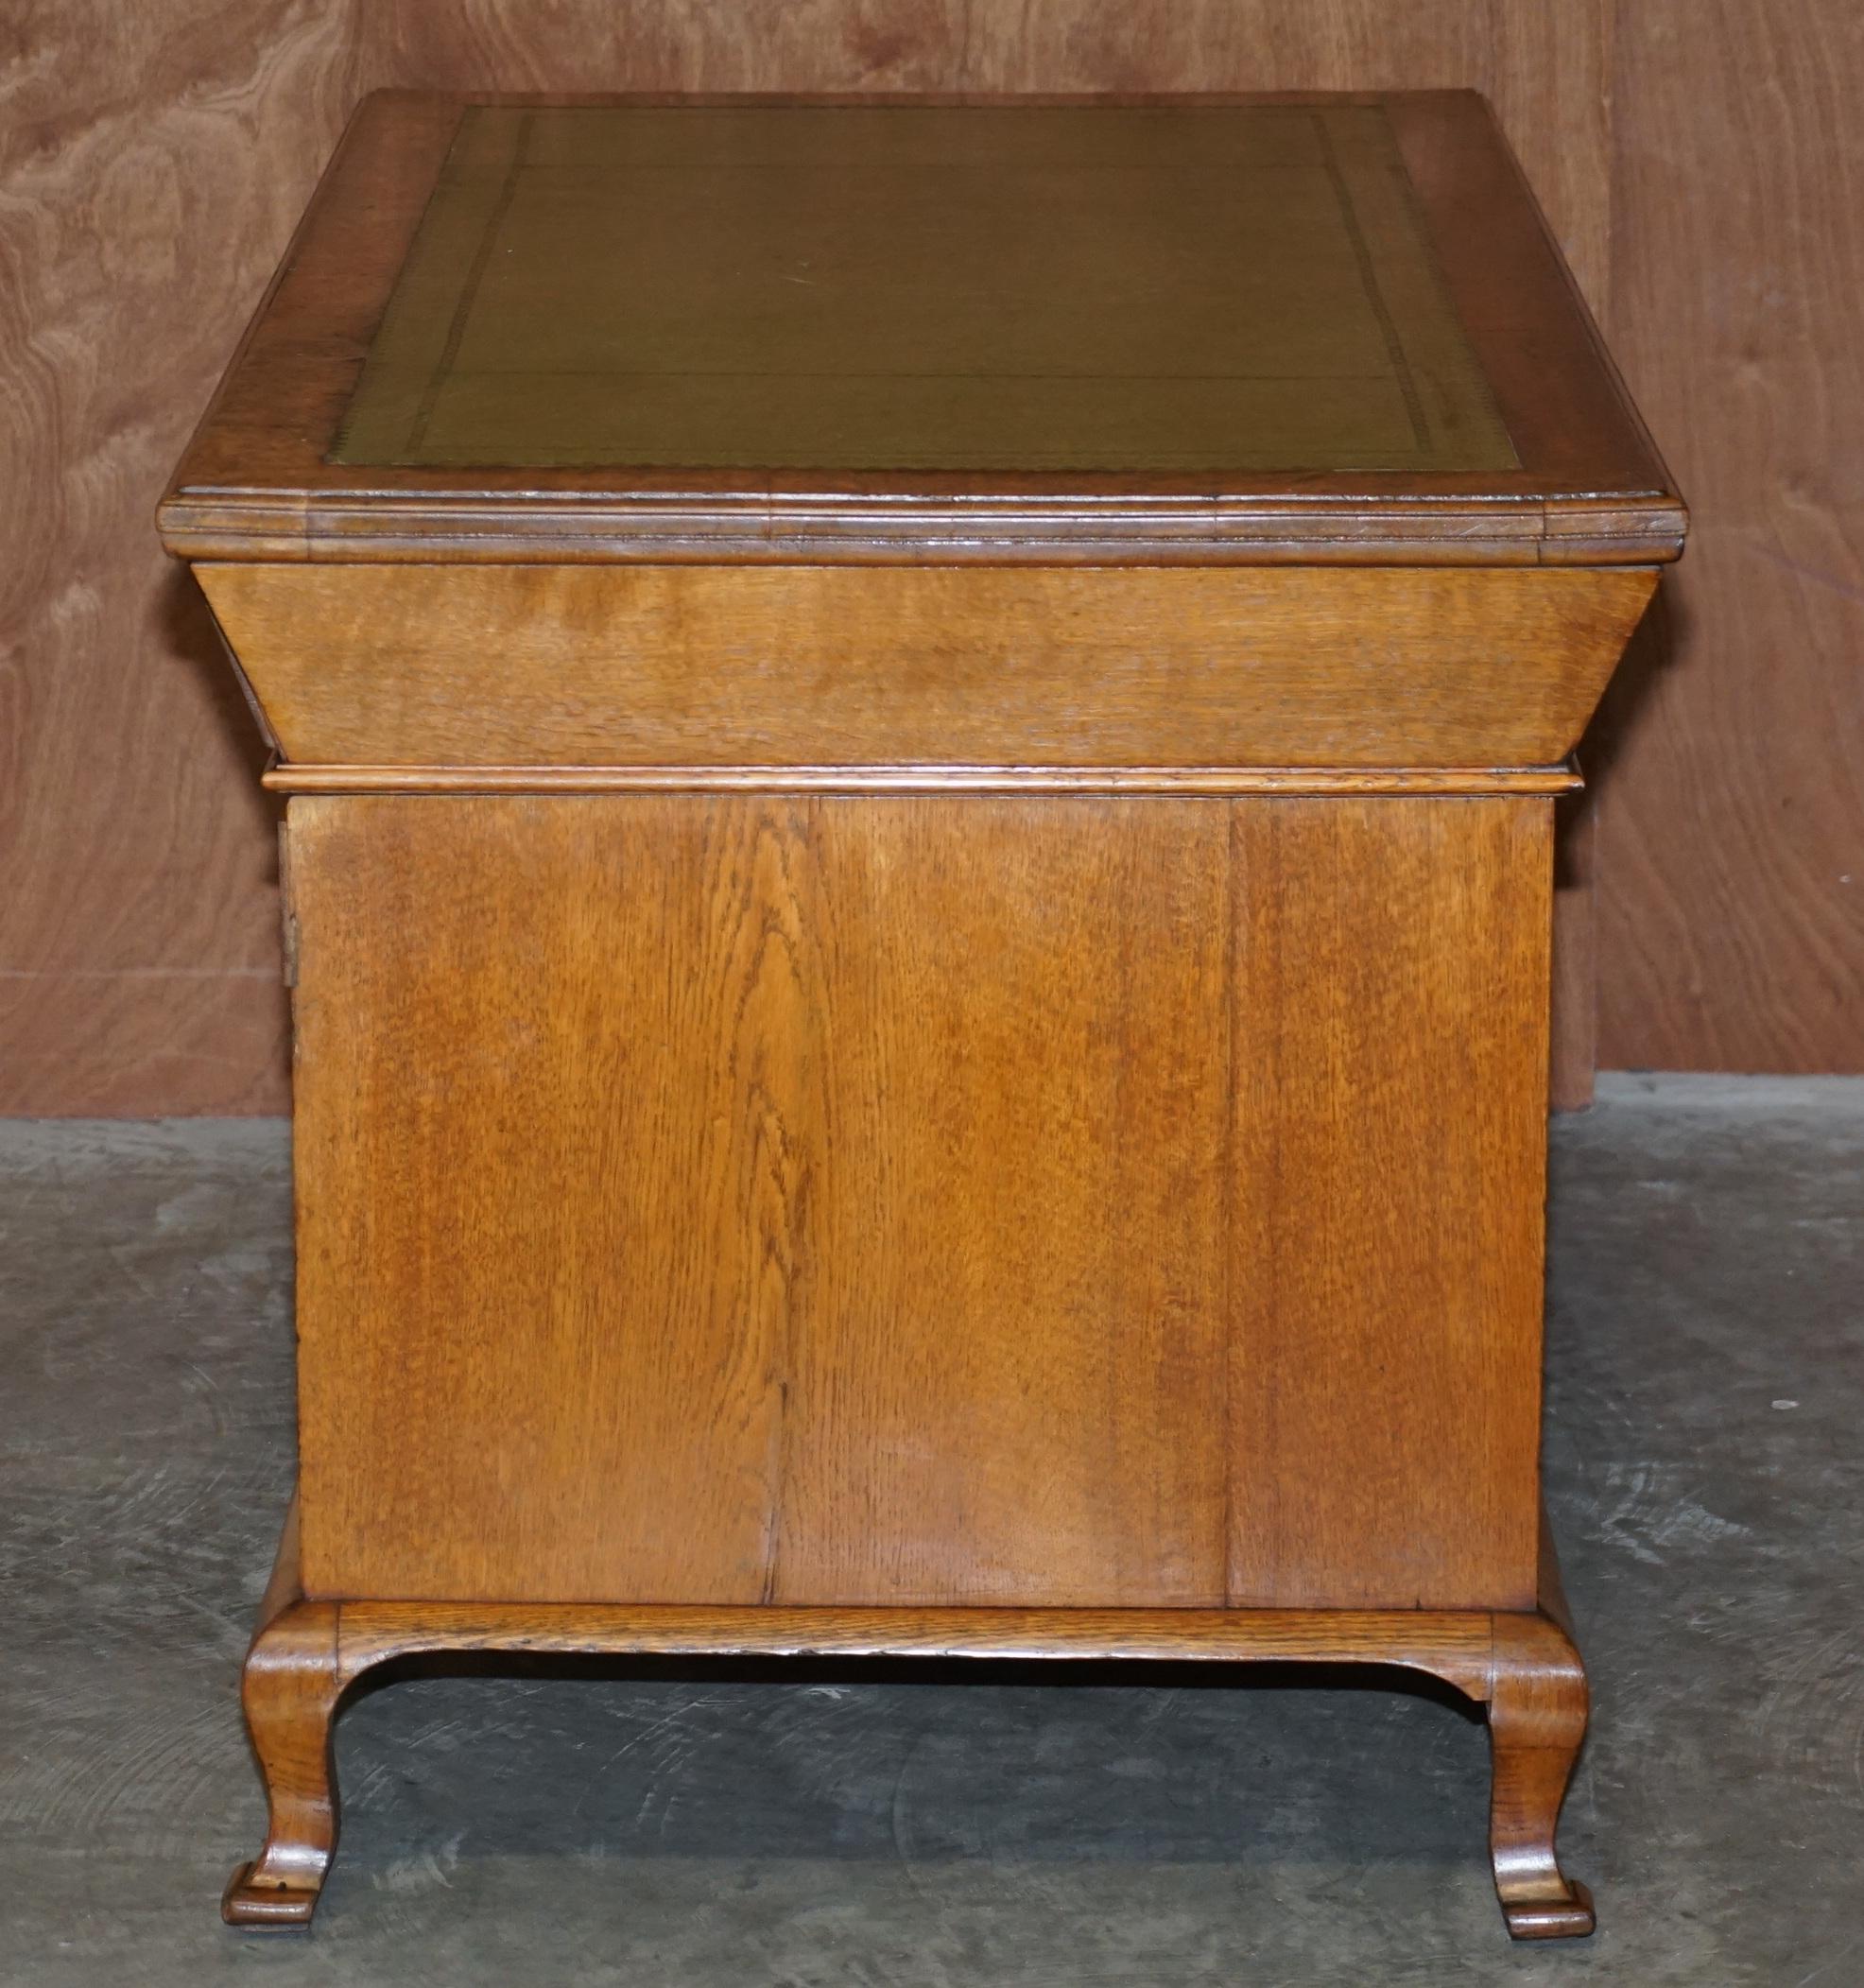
[923, 288]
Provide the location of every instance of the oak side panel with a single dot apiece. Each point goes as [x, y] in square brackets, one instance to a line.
[721, 1198]
[548, 1192]
[475, 665]
[1007, 1382]
[1389, 1017]
[834, 1199]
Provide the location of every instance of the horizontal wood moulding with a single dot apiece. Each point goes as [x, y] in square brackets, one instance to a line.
[1458, 1646]
[1437, 212]
[293, 779]
[775, 527]
[377, 666]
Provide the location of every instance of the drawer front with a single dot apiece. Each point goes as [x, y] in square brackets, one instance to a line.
[475, 665]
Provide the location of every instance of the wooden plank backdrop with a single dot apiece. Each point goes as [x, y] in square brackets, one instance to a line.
[1698, 158]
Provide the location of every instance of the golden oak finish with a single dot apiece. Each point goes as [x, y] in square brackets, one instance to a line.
[876, 1121]
[1536, 1724]
[137, 935]
[1538, 1708]
[945, 1050]
[1521, 1666]
[289, 1691]
[1458, 1647]
[691, 664]
[1388, 1010]
[924, 779]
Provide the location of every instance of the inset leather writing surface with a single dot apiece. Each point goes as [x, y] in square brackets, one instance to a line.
[925, 287]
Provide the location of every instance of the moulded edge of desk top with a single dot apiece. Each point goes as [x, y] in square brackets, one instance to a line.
[254, 483]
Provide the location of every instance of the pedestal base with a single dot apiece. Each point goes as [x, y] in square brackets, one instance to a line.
[1522, 1666]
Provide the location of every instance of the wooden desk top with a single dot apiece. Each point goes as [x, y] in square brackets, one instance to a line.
[1273, 328]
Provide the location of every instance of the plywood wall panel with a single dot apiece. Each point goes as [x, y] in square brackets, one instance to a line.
[151, 164]
[1695, 161]
[1731, 806]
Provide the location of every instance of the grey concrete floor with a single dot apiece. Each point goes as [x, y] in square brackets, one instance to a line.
[701, 1826]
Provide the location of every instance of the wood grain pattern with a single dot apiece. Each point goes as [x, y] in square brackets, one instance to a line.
[290, 1683]
[810, 1077]
[1538, 1707]
[1388, 1018]
[1459, 1647]
[916, 1113]
[928, 778]
[138, 950]
[139, 966]
[139, 962]
[1022, 1204]
[1731, 791]
[1573, 1034]
[590, 666]
[1522, 1666]
[1537, 1721]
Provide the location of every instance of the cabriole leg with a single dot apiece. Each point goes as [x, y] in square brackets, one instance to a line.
[291, 1686]
[1537, 1717]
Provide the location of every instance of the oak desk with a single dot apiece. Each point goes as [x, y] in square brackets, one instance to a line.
[921, 742]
